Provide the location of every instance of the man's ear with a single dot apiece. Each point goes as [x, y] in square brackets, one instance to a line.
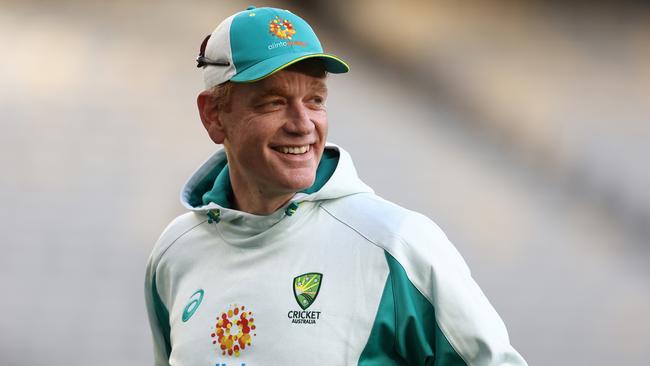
[210, 117]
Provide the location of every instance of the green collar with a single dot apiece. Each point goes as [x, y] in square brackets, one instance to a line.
[221, 191]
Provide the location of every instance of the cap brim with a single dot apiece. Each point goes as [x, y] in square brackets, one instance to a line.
[272, 65]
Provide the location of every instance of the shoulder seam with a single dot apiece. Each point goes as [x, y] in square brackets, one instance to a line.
[349, 226]
[374, 242]
[162, 253]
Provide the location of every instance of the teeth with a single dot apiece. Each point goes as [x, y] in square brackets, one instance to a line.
[295, 149]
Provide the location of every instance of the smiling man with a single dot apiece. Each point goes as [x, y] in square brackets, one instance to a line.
[273, 131]
[286, 257]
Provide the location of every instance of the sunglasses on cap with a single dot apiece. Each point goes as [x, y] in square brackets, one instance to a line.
[201, 60]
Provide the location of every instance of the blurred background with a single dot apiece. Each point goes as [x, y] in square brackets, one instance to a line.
[521, 128]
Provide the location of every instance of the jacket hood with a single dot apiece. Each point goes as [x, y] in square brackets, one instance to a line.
[208, 189]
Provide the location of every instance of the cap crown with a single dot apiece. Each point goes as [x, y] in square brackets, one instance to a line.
[258, 42]
[262, 33]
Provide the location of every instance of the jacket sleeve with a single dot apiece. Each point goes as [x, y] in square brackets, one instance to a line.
[442, 316]
[158, 316]
[158, 283]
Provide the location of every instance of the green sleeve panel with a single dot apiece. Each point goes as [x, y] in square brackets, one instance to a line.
[405, 331]
[162, 315]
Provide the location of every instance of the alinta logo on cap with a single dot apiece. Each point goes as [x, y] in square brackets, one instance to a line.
[283, 29]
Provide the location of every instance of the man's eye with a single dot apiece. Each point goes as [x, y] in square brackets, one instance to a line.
[270, 104]
[274, 103]
[318, 101]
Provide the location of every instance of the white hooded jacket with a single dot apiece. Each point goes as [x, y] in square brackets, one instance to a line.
[338, 276]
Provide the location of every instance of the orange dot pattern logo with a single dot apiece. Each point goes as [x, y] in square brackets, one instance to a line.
[281, 28]
[234, 330]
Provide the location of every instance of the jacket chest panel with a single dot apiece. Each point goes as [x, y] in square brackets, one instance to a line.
[313, 298]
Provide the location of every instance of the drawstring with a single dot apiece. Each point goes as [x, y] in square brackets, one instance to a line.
[291, 209]
[214, 216]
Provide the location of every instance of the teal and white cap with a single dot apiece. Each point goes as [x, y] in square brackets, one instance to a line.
[258, 42]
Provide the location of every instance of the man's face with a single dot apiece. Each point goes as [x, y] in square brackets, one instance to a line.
[275, 131]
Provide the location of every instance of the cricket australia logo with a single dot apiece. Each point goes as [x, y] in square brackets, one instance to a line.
[305, 290]
[306, 287]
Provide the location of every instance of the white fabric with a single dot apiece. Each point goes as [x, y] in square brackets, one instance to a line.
[218, 49]
[436, 269]
[341, 231]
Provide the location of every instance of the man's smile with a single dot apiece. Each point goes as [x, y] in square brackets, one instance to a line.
[295, 150]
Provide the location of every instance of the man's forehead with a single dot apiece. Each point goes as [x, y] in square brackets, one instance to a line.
[285, 80]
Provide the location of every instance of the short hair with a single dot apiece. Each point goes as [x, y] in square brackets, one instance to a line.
[221, 95]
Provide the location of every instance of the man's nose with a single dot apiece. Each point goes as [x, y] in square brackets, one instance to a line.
[299, 119]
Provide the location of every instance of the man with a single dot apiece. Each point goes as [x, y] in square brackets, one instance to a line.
[286, 257]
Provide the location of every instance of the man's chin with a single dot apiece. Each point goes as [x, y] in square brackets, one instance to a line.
[298, 182]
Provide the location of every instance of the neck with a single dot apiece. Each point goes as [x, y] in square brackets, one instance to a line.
[252, 198]
[257, 204]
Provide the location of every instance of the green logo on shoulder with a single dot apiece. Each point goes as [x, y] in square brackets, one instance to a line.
[306, 287]
[190, 308]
